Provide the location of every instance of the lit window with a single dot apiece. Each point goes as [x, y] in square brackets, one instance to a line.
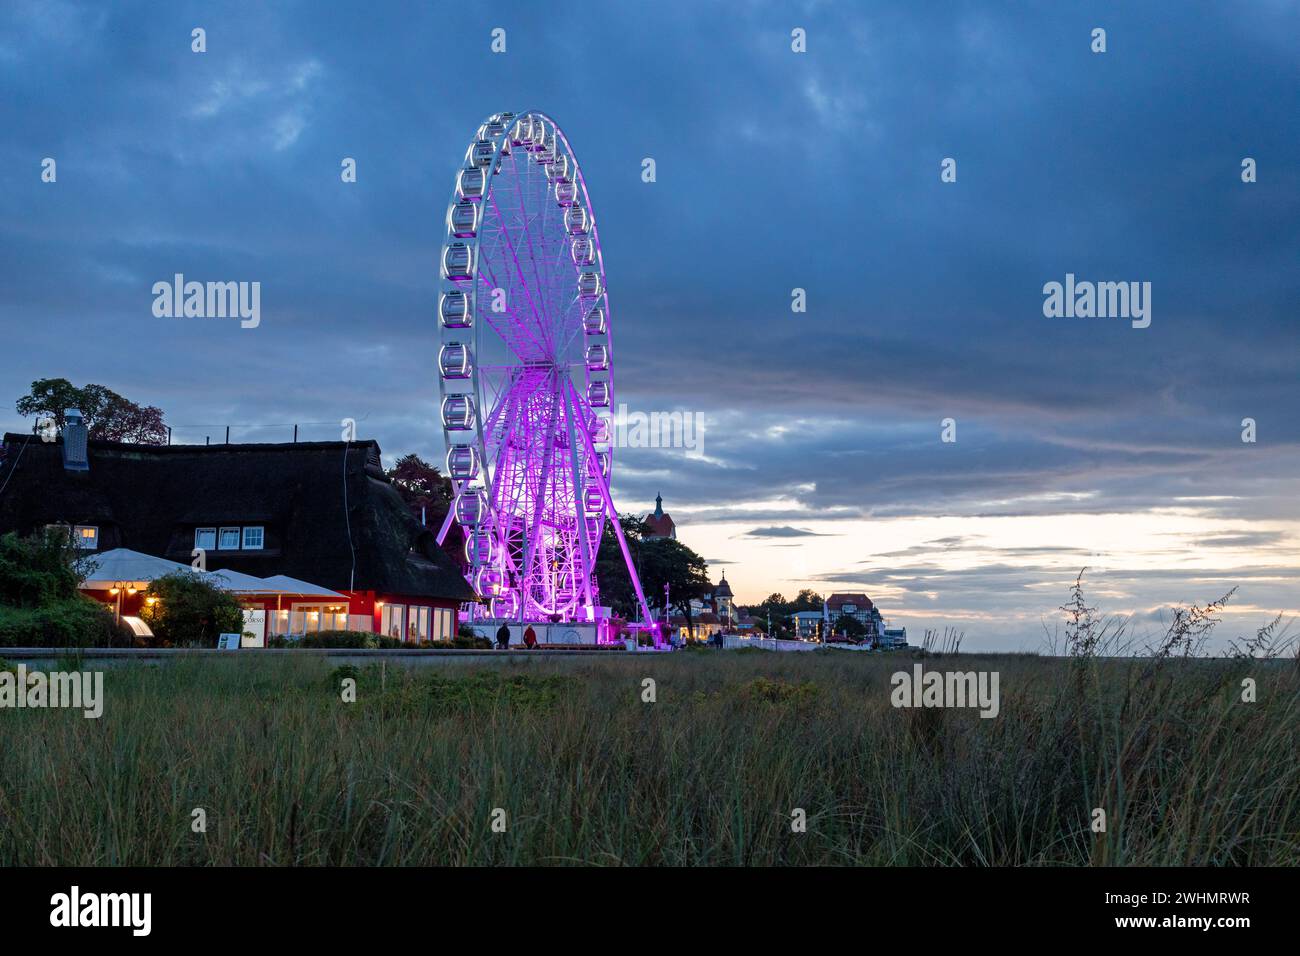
[417, 624]
[392, 620]
[85, 536]
[229, 539]
[253, 537]
[205, 539]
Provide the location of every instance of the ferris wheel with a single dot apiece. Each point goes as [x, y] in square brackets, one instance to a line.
[526, 374]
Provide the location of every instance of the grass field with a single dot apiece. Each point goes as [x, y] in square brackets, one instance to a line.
[708, 774]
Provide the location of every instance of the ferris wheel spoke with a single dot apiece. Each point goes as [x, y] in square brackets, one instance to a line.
[513, 255]
[505, 329]
[544, 319]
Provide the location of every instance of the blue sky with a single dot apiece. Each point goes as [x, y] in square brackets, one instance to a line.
[1079, 441]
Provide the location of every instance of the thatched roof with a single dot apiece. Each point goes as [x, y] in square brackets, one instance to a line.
[150, 498]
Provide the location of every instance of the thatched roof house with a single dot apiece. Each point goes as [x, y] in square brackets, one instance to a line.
[320, 511]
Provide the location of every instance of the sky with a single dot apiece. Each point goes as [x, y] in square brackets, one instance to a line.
[1080, 442]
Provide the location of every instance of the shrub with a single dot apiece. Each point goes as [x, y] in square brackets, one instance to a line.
[75, 622]
[347, 639]
[38, 571]
[359, 640]
[190, 612]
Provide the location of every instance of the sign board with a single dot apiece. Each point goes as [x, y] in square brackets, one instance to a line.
[255, 625]
[229, 642]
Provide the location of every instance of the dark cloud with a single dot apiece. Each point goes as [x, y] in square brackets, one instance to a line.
[775, 171]
[784, 531]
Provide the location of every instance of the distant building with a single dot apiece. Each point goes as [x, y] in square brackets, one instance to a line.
[856, 605]
[808, 622]
[661, 525]
[711, 613]
[721, 599]
[893, 637]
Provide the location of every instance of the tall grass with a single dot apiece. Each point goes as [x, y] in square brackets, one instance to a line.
[709, 774]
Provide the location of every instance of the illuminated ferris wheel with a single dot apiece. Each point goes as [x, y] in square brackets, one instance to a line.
[526, 373]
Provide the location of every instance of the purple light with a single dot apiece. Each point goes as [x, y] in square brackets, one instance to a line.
[523, 244]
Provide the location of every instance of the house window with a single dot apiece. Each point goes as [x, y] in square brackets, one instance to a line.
[205, 539]
[228, 540]
[392, 620]
[417, 625]
[307, 618]
[85, 536]
[443, 624]
[253, 537]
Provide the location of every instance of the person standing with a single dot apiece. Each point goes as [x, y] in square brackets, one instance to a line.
[530, 638]
[503, 637]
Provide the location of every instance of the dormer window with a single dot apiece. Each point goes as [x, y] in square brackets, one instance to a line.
[205, 539]
[86, 537]
[228, 539]
[254, 536]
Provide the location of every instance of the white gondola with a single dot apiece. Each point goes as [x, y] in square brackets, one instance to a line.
[598, 467]
[480, 547]
[598, 394]
[584, 251]
[462, 219]
[458, 413]
[597, 357]
[558, 171]
[458, 262]
[566, 193]
[537, 142]
[505, 607]
[593, 323]
[454, 310]
[577, 221]
[593, 500]
[546, 155]
[470, 183]
[487, 582]
[481, 153]
[471, 507]
[454, 361]
[599, 430]
[462, 462]
[590, 285]
[523, 132]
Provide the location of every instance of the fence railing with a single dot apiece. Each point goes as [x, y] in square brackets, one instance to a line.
[732, 642]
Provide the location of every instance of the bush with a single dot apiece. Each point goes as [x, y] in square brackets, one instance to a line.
[360, 640]
[75, 622]
[38, 571]
[190, 612]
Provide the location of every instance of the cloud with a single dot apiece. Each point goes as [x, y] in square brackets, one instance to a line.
[784, 531]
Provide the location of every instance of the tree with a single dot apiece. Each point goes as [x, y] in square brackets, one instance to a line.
[611, 571]
[778, 609]
[658, 561]
[428, 493]
[108, 416]
[188, 611]
[39, 570]
[808, 600]
[850, 627]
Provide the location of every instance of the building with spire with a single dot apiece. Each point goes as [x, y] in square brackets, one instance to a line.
[722, 598]
[661, 524]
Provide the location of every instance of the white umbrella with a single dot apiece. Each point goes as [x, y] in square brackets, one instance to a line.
[283, 584]
[237, 582]
[123, 566]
